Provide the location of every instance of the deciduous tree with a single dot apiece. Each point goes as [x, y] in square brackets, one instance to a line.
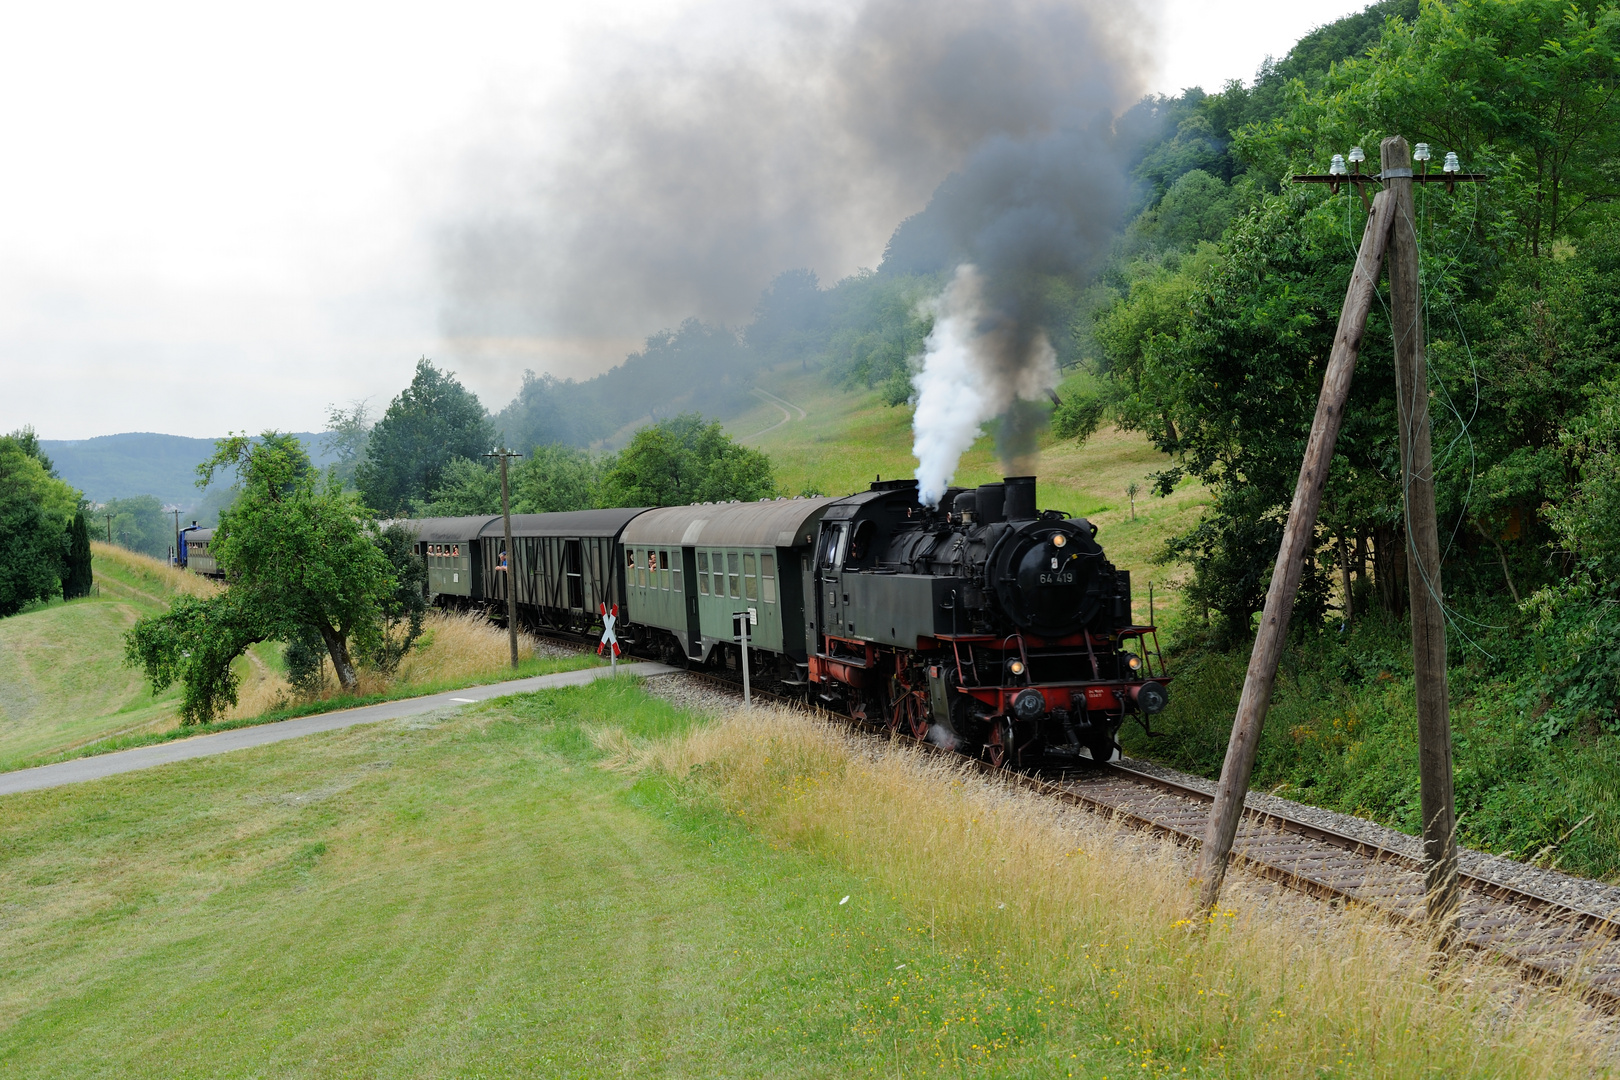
[431, 422]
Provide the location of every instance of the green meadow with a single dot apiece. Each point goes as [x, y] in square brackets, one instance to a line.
[591, 882]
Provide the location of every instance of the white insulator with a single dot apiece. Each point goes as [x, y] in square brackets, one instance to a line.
[1337, 168]
[1357, 154]
[1452, 164]
[1421, 153]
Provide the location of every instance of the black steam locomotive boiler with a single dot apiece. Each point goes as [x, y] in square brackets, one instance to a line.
[982, 624]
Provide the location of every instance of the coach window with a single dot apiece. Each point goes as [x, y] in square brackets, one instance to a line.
[675, 573]
[767, 578]
[750, 582]
[663, 566]
[703, 573]
[732, 573]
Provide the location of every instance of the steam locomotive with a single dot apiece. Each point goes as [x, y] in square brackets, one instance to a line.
[982, 624]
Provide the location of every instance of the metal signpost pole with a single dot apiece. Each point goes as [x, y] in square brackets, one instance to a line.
[745, 616]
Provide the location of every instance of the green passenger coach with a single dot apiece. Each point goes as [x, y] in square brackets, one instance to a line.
[450, 548]
[689, 569]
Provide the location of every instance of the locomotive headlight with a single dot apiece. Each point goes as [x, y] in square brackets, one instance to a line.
[1016, 667]
[1058, 539]
[1135, 662]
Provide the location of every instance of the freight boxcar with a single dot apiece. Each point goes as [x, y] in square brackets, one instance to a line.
[564, 566]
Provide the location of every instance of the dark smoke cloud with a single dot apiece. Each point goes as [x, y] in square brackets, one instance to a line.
[1020, 219]
[678, 182]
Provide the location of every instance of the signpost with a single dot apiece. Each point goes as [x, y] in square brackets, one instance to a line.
[610, 639]
[743, 618]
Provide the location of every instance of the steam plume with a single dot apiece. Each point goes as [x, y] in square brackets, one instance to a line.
[977, 364]
[680, 176]
[1028, 218]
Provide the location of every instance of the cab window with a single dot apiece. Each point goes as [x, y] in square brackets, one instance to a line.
[832, 542]
[860, 542]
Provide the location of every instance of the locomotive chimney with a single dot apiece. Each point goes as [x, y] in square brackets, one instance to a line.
[987, 501]
[1020, 504]
[966, 506]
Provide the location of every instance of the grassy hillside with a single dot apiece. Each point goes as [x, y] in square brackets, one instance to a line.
[65, 690]
[847, 438]
[63, 682]
[475, 895]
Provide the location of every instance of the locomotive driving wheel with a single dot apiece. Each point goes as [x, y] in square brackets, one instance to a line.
[1000, 748]
[910, 715]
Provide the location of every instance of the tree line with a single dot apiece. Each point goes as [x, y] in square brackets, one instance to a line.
[44, 540]
[1225, 295]
[321, 562]
[427, 456]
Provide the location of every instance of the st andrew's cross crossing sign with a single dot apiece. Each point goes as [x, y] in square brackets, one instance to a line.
[609, 639]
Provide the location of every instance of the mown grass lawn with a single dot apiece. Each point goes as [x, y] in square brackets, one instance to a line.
[474, 894]
[452, 896]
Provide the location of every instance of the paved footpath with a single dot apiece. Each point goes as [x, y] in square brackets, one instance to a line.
[94, 768]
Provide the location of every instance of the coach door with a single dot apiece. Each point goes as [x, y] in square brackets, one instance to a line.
[694, 621]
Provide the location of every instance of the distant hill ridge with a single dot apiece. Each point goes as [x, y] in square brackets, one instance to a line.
[146, 463]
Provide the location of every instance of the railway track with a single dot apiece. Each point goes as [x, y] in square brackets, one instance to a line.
[1546, 939]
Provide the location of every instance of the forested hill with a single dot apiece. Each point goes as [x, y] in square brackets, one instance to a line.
[143, 463]
[865, 329]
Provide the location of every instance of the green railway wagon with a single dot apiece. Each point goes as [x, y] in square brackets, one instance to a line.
[454, 562]
[563, 565]
[688, 569]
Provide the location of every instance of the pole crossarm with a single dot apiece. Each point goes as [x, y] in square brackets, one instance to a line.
[1379, 178]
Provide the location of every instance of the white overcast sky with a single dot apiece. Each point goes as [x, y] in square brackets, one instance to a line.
[217, 217]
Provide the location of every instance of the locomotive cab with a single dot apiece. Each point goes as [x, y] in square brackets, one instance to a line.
[982, 623]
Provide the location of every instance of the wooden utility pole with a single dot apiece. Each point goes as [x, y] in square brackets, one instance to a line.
[1298, 542]
[1391, 220]
[1422, 541]
[511, 556]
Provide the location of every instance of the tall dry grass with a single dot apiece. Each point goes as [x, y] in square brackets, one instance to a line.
[154, 577]
[453, 646]
[1276, 986]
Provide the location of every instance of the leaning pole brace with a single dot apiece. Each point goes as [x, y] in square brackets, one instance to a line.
[1297, 543]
